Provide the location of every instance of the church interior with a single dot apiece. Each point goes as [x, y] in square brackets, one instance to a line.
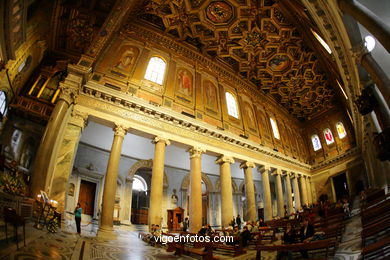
[194, 115]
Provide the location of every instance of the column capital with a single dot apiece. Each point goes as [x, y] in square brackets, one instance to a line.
[69, 92]
[79, 119]
[247, 164]
[120, 130]
[224, 159]
[161, 139]
[263, 168]
[196, 151]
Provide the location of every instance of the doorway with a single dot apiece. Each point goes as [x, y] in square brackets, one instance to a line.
[87, 197]
[340, 186]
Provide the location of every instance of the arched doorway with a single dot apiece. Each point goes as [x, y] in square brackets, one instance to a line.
[141, 174]
[140, 196]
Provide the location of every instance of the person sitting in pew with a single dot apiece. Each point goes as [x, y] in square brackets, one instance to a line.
[202, 231]
[289, 237]
[306, 235]
[262, 223]
[156, 233]
[209, 230]
[245, 236]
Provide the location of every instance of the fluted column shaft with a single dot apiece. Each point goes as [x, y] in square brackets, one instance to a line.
[249, 190]
[267, 194]
[289, 194]
[279, 193]
[297, 196]
[226, 190]
[195, 189]
[303, 190]
[110, 182]
[157, 182]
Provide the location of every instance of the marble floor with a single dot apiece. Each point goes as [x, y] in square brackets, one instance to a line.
[67, 245]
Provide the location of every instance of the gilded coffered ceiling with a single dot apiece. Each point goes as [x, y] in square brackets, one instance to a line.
[256, 40]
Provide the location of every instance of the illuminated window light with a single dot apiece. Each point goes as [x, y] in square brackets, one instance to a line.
[323, 43]
[342, 90]
[369, 42]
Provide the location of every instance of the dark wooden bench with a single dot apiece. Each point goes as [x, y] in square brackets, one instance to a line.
[205, 249]
[235, 249]
[264, 234]
[378, 250]
[325, 248]
[11, 217]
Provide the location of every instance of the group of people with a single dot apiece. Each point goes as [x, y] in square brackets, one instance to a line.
[151, 238]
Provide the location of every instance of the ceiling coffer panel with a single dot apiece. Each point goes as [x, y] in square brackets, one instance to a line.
[254, 39]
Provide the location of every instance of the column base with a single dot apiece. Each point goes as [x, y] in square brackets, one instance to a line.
[106, 233]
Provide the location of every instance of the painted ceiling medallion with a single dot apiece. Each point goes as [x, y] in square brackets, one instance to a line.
[219, 12]
[279, 63]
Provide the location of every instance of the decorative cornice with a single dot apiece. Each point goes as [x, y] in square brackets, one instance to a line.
[352, 152]
[102, 93]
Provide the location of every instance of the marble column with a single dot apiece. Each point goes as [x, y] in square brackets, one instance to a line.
[127, 201]
[226, 189]
[50, 141]
[302, 182]
[279, 193]
[297, 195]
[290, 206]
[65, 159]
[267, 192]
[309, 194]
[110, 182]
[368, 19]
[249, 191]
[195, 189]
[157, 182]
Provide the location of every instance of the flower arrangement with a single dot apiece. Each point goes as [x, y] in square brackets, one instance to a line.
[13, 183]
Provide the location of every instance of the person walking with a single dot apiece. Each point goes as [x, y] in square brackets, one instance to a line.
[77, 215]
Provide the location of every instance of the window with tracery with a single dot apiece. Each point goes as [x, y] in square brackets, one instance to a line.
[156, 70]
[231, 104]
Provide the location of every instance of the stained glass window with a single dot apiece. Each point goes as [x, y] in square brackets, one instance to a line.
[156, 70]
[328, 136]
[315, 140]
[275, 128]
[341, 130]
[3, 103]
[231, 105]
[139, 183]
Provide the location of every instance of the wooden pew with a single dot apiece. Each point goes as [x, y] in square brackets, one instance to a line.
[378, 250]
[235, 249]
[325, 247]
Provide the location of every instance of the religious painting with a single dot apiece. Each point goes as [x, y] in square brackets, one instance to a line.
[184, 82]
[341, 130]
[219, 12]
[279, 63]
[210, 95]
[125, 58]
[250, 119]
[328, 136]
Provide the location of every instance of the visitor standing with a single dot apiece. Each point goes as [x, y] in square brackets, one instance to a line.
[77, 215]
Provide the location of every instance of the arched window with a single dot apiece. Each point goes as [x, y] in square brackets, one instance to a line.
[156, 70]
[315, 140]
[3, 103]
[328, 136]
[231, 105]
[274, 128]
[139, 184]
[341, 130]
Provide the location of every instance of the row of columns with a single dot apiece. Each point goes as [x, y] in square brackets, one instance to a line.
[195, 196]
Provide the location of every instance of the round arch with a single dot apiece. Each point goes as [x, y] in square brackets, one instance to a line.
[242, 184]
[144, 164]
[186, 182]
[234, 186]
